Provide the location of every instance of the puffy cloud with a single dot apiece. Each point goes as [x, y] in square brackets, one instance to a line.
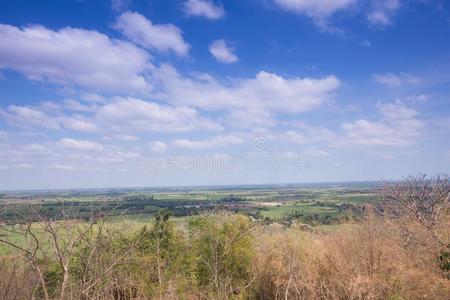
[36, 148]
[398, 127]
[63, 167]
[119, 157]
[249, 118]
[72, 56]
[80, 144]
[267, 92]
[419, 97]
[319, 10]
[366, 43]
[393, 154]
[305, 134]
[316, 153]
[377, 12]
[120, 5]
[396, 111]
[29, 117]
[77, 123]
[125, 137]
[203, 8]
[159, 37]
[215, 142]
[382, 11]
[73, 105]
[131, 114]
[315, 9]
[223, 52]
[24, 116]
[396, 80]
[158, 146]
[117, 119]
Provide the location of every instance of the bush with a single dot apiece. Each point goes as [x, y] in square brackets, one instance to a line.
[223, 250]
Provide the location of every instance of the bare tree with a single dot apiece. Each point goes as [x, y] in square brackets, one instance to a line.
[423, 199]
[62, 237]
[419, 207]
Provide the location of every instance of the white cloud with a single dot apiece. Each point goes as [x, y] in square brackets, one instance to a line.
[131, 114]
[25, 166]
[157, 146]
[366, 43]
[119, 157]
[120, 5]
[315, 8]
[249, 118]
[80, 144]
[223, 52]
[398, 127]
[378, 12]
[63, 167]
[125, 137]
[419, 97]
[29, 117]
[159, 37]
[393, 155]
[72, 56]
[24, 116]
[396, 80]
[93, 98]
[77, 123]
[203, 8]
[316, 153]
[265, 94]
[119, 118]
[215, 142]
[381, 11]
[301, 133]
[319, 10]
[74, 105]
[37, 148]
[307, 135]
[396, 111]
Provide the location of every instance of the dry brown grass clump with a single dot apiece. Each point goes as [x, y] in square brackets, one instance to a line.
[17, 280]
[359, 261]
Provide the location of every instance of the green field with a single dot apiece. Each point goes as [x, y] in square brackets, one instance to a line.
[308, 203]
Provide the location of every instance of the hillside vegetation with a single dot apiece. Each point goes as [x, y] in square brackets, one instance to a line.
[398, 249]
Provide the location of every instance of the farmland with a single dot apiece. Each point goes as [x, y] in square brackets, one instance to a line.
[313, 203]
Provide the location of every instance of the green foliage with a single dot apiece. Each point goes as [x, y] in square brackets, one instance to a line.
[223, 251]
[162, 254]
[52, 275]
[444, 261]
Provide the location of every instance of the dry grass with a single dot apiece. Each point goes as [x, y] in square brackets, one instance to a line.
[373, 259]
[363, 261]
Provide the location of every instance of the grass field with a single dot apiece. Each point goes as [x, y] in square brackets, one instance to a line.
[136, 207]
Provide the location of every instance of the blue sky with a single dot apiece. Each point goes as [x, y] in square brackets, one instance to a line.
[201, 92]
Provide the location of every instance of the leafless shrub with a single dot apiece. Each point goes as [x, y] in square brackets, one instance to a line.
[426, 200]
[49, 245]
[17, 280]
[355, 261]
[419, 207]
